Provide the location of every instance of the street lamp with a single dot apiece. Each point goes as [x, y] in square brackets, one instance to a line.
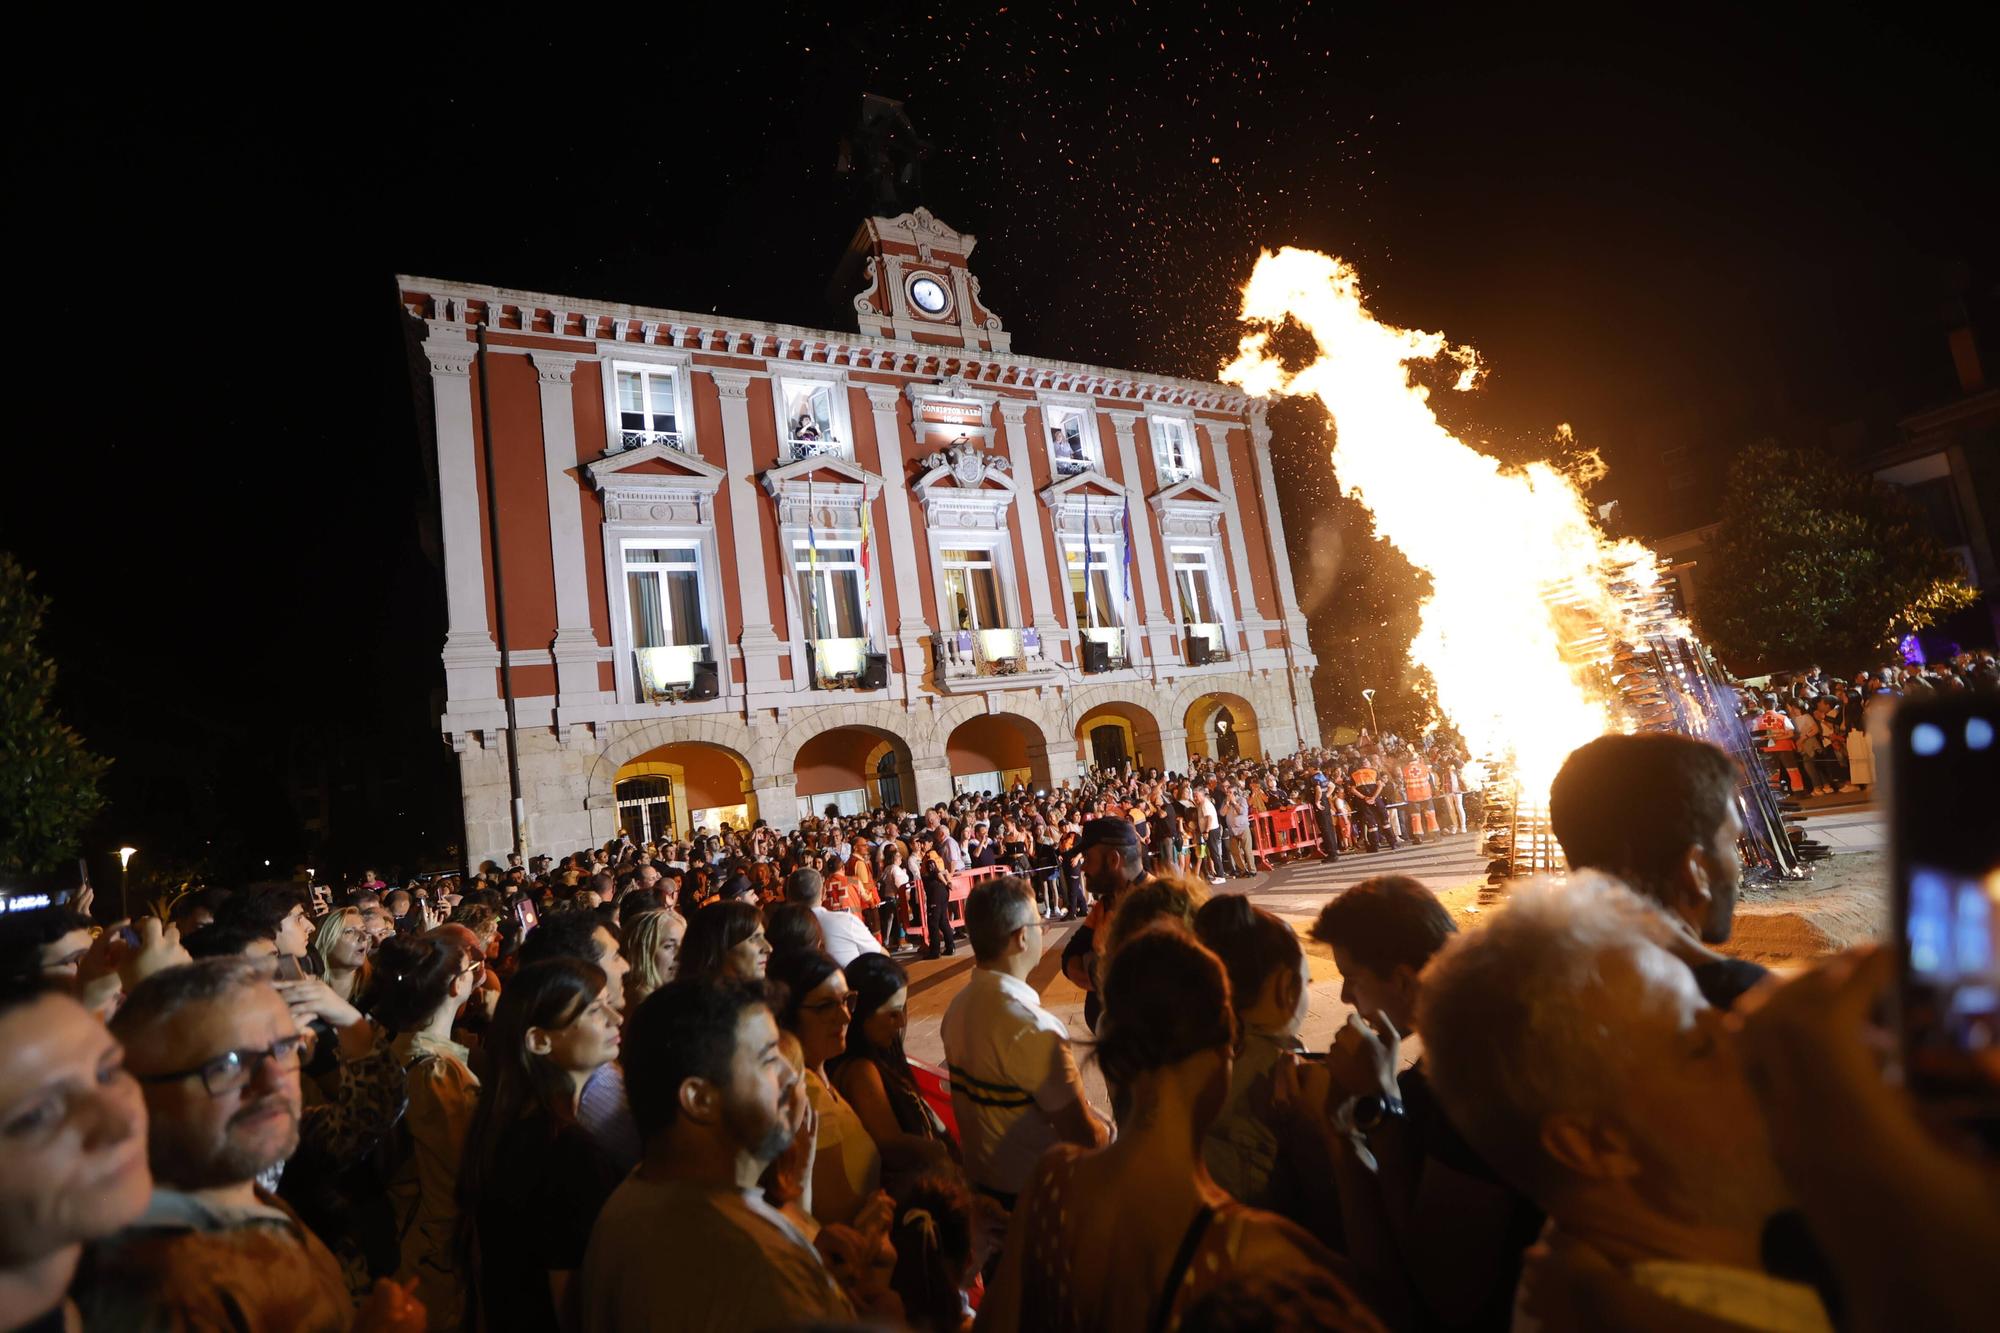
[1373, 725]
[125, 855]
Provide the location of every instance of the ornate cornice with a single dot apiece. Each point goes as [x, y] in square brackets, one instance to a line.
[554, 367]
[882, 397]
[732, 383]
[1014, 411]
[599, 327]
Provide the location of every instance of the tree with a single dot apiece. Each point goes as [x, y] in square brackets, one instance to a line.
[48, 780]
[1816, 562]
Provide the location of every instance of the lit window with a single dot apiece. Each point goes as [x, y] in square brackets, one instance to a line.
[813, 423]
[972, 591]
[1090, 571]
[648, 406]
[829, 576]
[1174, 449]
[667, 621]
[1071, 444]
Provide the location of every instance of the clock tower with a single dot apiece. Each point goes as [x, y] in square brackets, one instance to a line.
[915, 285]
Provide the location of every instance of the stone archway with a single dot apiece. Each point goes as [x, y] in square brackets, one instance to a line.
[723, 731]
[842, 766]
[1223, 724]
[1116, 732]
[993, 751]
[675, 791]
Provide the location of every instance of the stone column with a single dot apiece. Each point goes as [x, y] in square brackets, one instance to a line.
[1052, 761]
[1159, 631]
[933, 780]
[575, 646]
[911, 628]
[1250, 622]
[471, 660]
[1034, 548]
[761, 647]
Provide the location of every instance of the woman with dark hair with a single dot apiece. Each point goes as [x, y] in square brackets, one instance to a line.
[725, 941]
[417, 986]
[874, 1073]
[813, 1006]
[933, 1238]
[533, 1180]
[1130, 1235]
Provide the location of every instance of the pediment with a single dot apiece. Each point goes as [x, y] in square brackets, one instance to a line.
[822, 469]
[654, 465]
[1189, 492]
[1090, 484]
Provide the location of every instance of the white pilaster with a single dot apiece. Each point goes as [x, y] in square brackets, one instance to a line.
[1296, 643]
[1034, 546]
[1159, 631]
[761, 647]
[470, 656]
[911, 628]
[575, 646]
[1250, 621]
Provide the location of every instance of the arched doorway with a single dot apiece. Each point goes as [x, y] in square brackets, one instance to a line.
[676, 791]
[993, 751]
[1118, 735]
[846, 768]
[1222, 726]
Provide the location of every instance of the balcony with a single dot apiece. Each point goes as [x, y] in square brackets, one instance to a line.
[634, 439]
[970, 654]
[1110, 640]
[1070, 466]
[1173, 474]
[670, 674]
[843, 664]
[1205, 643]
[804, 447]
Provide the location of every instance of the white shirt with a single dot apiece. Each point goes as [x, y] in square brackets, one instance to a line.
[1011, 1070]
[846, 938]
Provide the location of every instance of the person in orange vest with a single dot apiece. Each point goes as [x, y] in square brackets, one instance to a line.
[1417, 793]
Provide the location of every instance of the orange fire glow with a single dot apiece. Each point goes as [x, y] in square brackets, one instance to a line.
[1507, 549]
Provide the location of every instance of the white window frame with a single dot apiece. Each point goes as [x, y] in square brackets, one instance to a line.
[617, 537]
[679, 365]
[691, 551]
[1106, 553]
[995, 560]
[1093, 448]
[1174, 466]
[1220, 594]
[802, 377]
[802, 562]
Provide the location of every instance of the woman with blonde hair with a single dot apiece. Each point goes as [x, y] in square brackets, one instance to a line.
[342, 943]
[652, 946]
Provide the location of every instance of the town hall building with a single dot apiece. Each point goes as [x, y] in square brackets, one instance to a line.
[753, 571]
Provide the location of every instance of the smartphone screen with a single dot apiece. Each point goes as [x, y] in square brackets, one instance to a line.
[524, 912]
[288, 968]
[1945, 770]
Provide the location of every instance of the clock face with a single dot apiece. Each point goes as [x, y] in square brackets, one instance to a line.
[929, 295]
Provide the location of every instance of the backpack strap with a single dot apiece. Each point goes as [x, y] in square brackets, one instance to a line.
[1163, 1306]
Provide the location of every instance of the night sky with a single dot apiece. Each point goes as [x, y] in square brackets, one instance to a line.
[1699, 231]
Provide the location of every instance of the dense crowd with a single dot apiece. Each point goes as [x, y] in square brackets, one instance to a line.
[1813, 729]
[667, 1088]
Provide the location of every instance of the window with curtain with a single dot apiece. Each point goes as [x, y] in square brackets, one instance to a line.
[648, 406]
[1195, 585]
[830, 590]
[1174, 448]
[972, 591]
[1069, 440]
[669, 631]
[1091, 580]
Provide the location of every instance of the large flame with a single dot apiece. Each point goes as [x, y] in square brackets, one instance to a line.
[1513, 554]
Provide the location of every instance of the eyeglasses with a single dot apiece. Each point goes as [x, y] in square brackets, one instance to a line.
[233, 1069]
[850, 1002]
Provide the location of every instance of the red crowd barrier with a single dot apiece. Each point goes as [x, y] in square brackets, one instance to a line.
[1288, 831]
[918, 925]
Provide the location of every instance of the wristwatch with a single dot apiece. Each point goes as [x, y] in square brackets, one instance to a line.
[1374, 1110]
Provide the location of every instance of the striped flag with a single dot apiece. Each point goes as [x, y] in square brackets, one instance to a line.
[1128, 549]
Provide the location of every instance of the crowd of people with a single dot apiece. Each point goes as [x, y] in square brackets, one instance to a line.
[1813, 729]
[668, 1089]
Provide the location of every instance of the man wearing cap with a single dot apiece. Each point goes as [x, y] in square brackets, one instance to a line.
[1112, 862]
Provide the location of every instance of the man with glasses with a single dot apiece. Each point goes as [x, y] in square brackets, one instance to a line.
[216, 1054]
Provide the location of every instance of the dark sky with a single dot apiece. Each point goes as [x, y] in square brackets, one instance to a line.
[1690, 226]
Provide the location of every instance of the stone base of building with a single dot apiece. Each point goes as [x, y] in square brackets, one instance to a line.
[569, 777]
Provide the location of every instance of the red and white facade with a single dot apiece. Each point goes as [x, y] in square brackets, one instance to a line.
[887, 552]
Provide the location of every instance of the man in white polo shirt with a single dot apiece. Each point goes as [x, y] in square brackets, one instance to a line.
[846, 938]
[1014, 1085]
